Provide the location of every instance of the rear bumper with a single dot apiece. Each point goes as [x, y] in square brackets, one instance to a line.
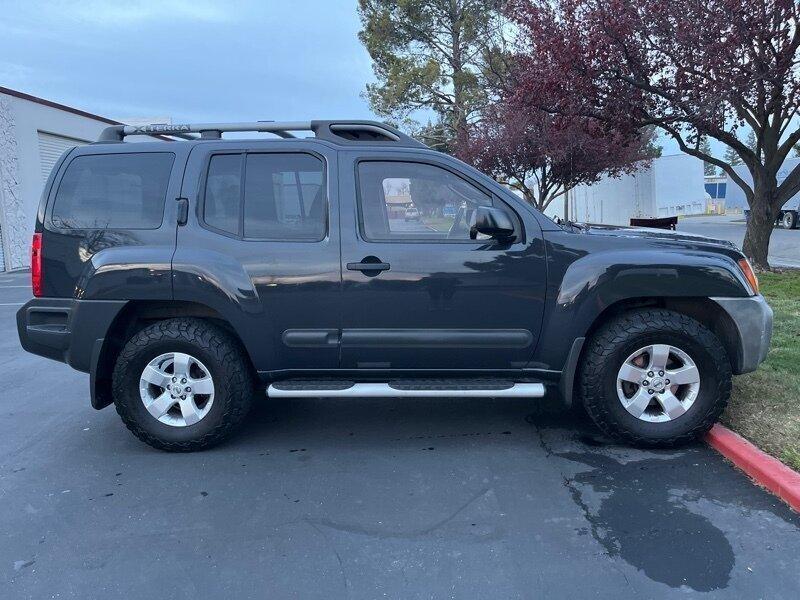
[65, 329]
[752, 318]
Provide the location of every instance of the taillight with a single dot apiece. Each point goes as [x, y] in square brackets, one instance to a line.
[36, 264]
[749, 274]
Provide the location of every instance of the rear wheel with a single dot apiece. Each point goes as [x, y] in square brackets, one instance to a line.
[182, 385]
[655, 377]
[789, 220]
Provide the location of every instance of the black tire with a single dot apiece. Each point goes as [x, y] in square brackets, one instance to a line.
[228, 367]
[616, 340]
[789, 220]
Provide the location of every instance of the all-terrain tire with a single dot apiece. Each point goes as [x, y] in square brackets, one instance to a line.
[616, 340]
[229, 368]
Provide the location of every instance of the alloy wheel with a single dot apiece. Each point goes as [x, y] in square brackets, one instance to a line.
[658, 383]
[177, 389]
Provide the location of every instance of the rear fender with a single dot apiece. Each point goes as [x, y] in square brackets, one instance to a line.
[221, 283]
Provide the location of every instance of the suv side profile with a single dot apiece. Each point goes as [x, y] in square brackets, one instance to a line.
[188, 276]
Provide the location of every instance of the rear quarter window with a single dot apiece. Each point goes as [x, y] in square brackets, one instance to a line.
[113, 191]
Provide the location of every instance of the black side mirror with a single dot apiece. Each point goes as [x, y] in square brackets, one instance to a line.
[492, 222]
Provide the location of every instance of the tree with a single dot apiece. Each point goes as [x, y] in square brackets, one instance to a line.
[693, 69]
[543, 156]
[732, 157]
[705, 148]
[439, 55]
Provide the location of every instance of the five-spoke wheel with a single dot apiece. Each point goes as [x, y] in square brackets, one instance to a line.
[654, 377]
[183, 384]
[177, 389]
[658, 383]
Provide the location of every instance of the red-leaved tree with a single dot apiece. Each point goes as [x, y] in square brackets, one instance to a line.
[692, 68]
[543, 156]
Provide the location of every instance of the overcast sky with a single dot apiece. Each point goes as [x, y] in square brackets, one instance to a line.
[191, 60]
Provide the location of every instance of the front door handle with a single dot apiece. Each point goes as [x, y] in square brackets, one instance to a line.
[369, 265]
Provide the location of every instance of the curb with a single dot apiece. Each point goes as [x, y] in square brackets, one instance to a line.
[765, 470]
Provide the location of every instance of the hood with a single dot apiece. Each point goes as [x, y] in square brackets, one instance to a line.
[653, 234]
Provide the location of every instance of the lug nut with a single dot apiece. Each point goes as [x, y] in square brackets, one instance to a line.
[649, 373]
[645, 383]
[650, 392]
[183, 397]
[184, 379]
[174, 379]
[667, 381]
[660, 374]
[188, 389]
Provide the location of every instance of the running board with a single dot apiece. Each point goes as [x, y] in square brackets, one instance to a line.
[297, 389]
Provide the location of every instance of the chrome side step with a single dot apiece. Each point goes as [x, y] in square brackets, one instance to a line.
[401, 390]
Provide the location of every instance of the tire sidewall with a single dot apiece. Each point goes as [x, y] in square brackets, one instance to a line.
[705, 403]
[130, 401]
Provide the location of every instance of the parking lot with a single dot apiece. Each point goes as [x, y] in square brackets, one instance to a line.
[446, 498]
[784, 245]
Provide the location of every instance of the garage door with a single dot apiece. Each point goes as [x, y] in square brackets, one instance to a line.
[51, 147]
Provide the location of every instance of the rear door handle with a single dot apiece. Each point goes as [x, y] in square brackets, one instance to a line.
[370, 264]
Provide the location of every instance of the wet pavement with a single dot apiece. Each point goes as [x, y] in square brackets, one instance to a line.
[444, 498]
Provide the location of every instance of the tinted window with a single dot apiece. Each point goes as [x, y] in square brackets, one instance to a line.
[223, 192]
[284, 197]
[117, 191]
[415, 201]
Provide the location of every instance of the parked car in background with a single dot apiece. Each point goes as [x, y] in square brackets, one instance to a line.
[412, 213]
[188, 277]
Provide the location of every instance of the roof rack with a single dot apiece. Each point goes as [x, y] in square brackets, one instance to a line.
[359, 132]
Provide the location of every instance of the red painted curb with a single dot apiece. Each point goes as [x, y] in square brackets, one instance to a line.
[767, 471]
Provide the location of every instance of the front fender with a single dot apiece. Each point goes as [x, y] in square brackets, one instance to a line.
[585, 287]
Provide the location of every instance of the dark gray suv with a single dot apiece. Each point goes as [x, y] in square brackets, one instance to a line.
[189, 274]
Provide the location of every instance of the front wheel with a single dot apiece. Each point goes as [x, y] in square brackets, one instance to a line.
[182, 385]
[655, 378]
[789, 219]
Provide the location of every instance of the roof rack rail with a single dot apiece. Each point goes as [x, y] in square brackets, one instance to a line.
[335, 131]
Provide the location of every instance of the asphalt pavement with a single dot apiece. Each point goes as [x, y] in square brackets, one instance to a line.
[784, 247]
[445, 498]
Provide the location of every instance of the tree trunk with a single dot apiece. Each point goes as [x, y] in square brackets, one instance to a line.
[763, 212]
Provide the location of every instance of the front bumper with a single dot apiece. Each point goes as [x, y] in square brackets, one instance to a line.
[66, 329]
[752, 319]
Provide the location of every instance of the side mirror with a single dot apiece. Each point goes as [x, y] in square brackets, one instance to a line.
[492, 222]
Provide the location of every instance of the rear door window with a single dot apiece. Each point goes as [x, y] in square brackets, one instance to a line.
[267, 196]
[222, 205]
[284, 197]
[113, 191]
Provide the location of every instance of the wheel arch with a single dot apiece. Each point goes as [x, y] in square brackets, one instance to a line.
[703, 310]
[134, 317]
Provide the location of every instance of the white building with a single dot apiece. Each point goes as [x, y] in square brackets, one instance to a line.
[33, 135]
[672, 185]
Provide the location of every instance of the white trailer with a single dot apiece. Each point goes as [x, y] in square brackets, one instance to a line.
[670, 186]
